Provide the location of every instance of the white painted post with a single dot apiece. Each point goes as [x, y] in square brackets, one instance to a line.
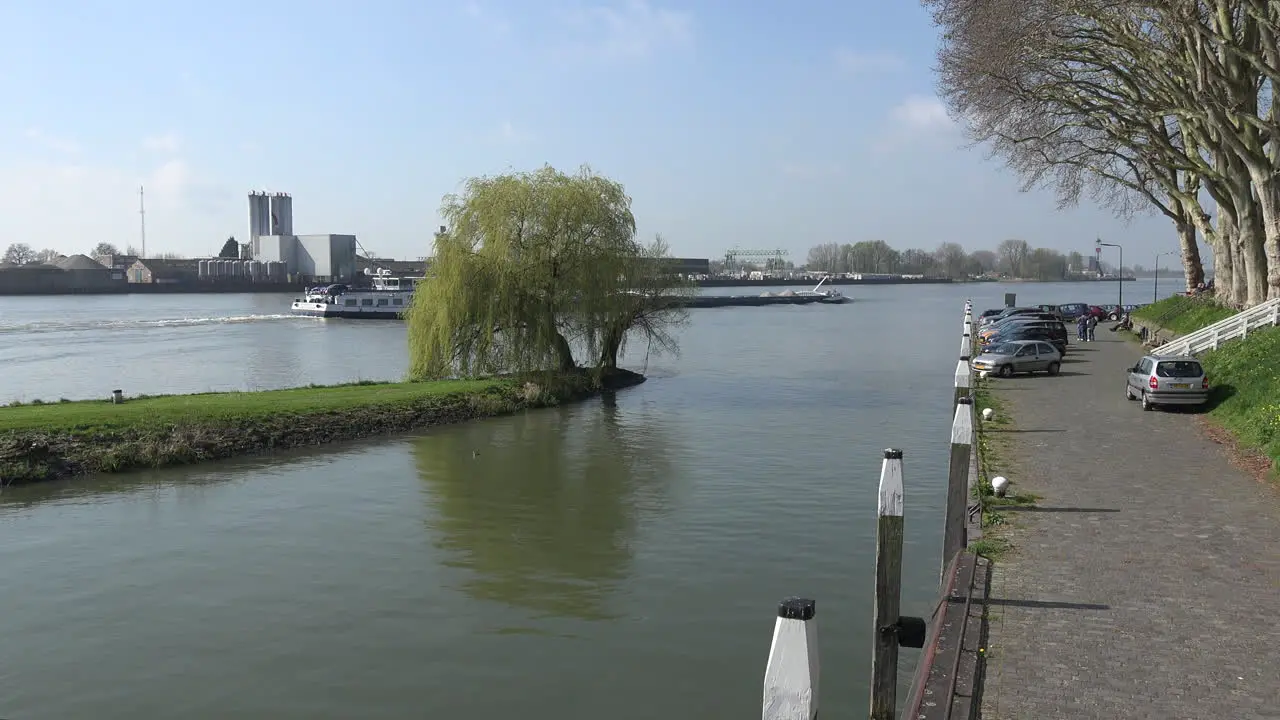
[1275, 316]
[953, 535]
[962, 378]
[1213, 336]
[791, 677]
[964, 346]
[888, 595]
[1244, 327]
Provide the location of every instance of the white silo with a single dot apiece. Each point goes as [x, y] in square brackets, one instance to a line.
[202, 269]
[281, 213]
[246, 269]
[259, 219]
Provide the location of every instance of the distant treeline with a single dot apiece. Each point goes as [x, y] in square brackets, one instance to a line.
[1014, 258]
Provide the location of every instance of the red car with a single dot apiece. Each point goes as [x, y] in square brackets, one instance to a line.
[1098, 312]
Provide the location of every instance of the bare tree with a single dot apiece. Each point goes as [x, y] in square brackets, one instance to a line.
[19, 254]
[824, 258]
[104, 248]
[47, 255]
[1013, 256]
[1137, 104]
[952, 260]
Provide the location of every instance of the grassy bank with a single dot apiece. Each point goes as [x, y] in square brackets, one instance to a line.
[45, 441]
[1183, 314]
[1245, 376]
[993, 460]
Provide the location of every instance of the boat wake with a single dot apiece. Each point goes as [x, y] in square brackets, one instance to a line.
[38, 327]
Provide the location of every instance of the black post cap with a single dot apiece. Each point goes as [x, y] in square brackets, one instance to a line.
[796, 608]
[966, 334]
[964, 357]
[912, 631]
[965, 400]
[892, 454]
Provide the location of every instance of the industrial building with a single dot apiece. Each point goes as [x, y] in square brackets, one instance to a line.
[318, 258]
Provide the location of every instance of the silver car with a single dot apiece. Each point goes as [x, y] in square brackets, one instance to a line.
[1025, 356]
[1167, 381]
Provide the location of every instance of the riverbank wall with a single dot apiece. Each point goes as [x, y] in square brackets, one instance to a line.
[50, 441]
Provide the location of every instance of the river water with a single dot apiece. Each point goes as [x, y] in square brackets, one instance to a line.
[618, 558]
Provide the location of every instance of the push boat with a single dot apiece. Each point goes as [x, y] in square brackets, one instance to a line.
[385, 299]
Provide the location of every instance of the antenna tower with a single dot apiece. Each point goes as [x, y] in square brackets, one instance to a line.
[142, 216]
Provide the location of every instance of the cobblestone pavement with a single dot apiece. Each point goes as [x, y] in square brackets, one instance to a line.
[1147, 582]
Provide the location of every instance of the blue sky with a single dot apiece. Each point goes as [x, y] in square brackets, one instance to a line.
[755, 124]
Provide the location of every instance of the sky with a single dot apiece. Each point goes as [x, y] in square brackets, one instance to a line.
[759, 125]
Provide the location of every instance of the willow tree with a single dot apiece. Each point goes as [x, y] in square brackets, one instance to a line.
[531, 266]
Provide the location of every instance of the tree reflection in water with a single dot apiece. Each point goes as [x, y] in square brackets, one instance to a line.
[542, 507]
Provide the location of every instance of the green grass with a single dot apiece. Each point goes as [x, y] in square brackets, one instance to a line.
[993, 461]
[91, 416]
[1184, 314]
[1245, 375]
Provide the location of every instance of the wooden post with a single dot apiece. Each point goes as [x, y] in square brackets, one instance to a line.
[791, 677]
[953, 535]
[962, 378]
[884, 659]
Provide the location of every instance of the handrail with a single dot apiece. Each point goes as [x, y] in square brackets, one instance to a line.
[1238, 325]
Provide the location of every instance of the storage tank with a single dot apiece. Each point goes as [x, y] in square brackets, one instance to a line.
[246, 269]
[202, 269]
[280, 207]
[275, 271]
[224, 269]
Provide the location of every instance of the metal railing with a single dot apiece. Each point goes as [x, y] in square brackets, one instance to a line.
[1237, 326]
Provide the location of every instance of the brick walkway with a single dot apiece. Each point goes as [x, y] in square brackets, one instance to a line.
[1147, 582]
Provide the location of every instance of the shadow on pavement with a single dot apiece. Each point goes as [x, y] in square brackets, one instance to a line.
[1040, 508]
[1048, 604]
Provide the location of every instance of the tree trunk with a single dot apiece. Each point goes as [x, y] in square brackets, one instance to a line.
[1223, 270]
[564, 354]
[1250, 239]
[1269, 204]
[1191, 264]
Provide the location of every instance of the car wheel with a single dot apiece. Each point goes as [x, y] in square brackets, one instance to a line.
[1128, 393]
[1006, 371]
[1146, 401]
[1054, 368]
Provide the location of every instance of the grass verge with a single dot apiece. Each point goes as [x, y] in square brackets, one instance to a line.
[1184, 314]
[1245, 400]
[993, 461]
[45, 441]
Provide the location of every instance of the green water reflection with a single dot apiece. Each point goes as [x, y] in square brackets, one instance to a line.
[543, 508]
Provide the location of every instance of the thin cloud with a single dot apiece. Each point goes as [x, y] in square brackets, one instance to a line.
[509, 134]
[486, 18]
[52, 142]
[630, 30]
[167, 143]
[807, 171]
[922, 113]
[861, 63]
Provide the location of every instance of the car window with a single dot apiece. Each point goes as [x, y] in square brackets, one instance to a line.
[1044, 348]
[1024, 350]
[1179, 369]
[1001, 349]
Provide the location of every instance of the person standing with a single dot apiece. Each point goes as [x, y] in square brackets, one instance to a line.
[1082, 328]
[1093, 326]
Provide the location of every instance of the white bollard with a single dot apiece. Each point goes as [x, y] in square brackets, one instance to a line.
[988, 413]
[953, 524]
[791, 677]
[1000, 484]
[964, 346]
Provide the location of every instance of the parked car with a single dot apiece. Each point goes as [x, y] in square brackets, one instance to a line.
[1052, 310]
[1057, 339]
[989, 312]
[1015, 356]
[1056, 327]
[1098, 312]
[1167, 381]
[1116, 314]
[1071, 311]
[1007, 312]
